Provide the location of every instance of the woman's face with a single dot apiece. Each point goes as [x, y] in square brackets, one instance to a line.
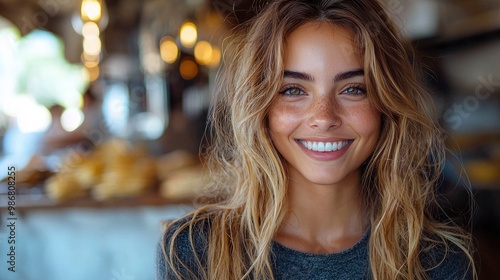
[322, 122]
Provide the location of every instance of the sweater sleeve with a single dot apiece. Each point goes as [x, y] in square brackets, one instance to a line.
[161, 265]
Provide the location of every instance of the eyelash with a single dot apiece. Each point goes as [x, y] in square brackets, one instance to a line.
[289, 87]
[360, 90]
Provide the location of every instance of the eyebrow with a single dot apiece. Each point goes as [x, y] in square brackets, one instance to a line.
[349, 74]
[339, 77]
[298, 75]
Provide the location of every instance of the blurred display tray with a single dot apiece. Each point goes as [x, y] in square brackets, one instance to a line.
[28, 202]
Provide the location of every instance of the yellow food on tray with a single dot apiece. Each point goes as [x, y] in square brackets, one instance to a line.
[117, 169]
[112, 169]
[183, 184]
[126, 177]
[64, 186]
[174, 161]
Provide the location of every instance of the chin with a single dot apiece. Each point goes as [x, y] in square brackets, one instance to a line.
[330, 177]
[324, 179]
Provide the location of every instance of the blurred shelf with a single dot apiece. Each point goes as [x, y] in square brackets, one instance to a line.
[42, 202]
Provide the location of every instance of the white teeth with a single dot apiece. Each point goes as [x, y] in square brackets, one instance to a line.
[328, 146]
[321, 147]
[324, 146]
[306, 144]
[337, 146]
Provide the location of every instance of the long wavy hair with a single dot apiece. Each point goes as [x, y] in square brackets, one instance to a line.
[249, 178]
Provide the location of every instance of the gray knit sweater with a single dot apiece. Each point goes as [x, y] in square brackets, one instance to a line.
[290, 264]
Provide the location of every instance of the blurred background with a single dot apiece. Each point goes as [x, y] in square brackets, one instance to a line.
[103, 108]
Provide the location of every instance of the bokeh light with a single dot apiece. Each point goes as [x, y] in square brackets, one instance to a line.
[168, 49]
[71, 119]
[188, 34]
[92, 45]
[93, 73]
[31, 116]
[188, 69]
[91, 10]
[203, 52]
[90, 29]
[216, 56]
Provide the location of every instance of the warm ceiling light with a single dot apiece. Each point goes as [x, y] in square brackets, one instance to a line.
[168, 49]
[188, 69]
[92, 45]
[203, 52]
[91, 10]
[90, 29]
[216, 55]
[90, 60]
[93, 73]
[188, 34]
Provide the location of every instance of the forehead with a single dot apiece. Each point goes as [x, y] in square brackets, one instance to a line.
[321, 42]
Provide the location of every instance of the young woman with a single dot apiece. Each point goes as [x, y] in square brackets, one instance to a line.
[324, 154]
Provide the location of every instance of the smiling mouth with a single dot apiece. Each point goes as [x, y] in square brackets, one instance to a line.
[324, 146]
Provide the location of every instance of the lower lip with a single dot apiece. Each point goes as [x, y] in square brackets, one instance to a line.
[325, 156]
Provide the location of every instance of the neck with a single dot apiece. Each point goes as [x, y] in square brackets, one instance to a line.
[328, 216]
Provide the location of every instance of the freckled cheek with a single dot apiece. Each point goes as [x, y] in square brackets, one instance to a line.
[283, 119]
[366, 120]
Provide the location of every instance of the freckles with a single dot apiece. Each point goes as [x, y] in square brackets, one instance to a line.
[282, 117]
[326, 110]
[364, 117]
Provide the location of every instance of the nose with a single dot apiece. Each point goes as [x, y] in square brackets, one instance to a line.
[324, 113]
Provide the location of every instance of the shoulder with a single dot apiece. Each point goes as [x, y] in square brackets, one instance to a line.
[187, 229]
[188, 239]
[447, 262]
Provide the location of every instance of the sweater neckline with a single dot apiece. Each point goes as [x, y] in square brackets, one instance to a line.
[363, 242]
